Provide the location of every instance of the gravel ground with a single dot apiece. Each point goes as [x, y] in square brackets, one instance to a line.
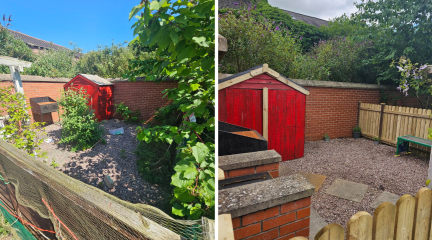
[360, 161]
[91, 165]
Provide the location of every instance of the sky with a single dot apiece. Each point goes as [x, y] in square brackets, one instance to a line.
[324, 9]
[87, 23]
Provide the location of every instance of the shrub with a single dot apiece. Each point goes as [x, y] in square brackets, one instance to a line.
[18, 131]
[357, 129]
[253, 40]
[80, 127]
[168, 115]
[155, 161]
[336, 59]
[128, 115]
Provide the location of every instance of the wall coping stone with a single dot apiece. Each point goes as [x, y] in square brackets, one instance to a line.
[32, 78]
[244, 160]
[330, 84]
[250, 198]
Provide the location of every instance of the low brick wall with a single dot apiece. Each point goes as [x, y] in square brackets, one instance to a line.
[287, 220]
[278, 208]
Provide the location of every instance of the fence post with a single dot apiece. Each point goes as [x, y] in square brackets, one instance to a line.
[358, 112]
[381, 119]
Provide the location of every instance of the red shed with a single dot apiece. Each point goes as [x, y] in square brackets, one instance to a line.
[100, 91]
[268, 102]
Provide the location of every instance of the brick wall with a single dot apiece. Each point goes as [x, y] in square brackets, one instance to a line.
[334, 110]
[272, 168]
[143, 96]
[40, 89]
[280, 222]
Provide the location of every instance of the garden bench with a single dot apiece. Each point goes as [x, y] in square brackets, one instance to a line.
[402, 144]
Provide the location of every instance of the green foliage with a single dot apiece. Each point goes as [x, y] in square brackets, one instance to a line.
[388, 98]
[80, 128]
[357, 129]
[168, 115]
[309, 34]
[397, 28]
[376, 139]
[343, 26]
[335, 59]
[122, 153]
[185, 34]
[18, 131]
[326, 135]
[155, 161]
[54, 164]
[128, 115]
[11, 47]
[54, 63]
[253, 40]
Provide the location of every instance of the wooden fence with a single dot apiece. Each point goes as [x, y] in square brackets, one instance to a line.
[390, 122]
[410, 219]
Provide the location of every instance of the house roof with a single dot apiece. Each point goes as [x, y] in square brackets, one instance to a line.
[255, 71]
[96, 79]
[236, 4]
[36, 42]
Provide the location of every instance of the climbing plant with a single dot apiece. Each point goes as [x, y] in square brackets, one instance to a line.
[184, 33]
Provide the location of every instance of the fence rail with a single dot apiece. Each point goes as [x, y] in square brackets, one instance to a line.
[390, 122]
[409, 219]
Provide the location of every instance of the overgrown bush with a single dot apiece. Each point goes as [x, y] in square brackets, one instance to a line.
[54, 63]
[80, 128]
[155, 161]
[167, 115]
[18, 131]
[254, 40]
[337, 59]
[127, 114]
[11, 47]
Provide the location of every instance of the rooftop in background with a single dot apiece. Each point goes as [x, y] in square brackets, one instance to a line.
[235, 4]
[33, 42]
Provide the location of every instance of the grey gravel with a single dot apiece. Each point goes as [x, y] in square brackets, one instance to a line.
[90, 166]
[359, 160]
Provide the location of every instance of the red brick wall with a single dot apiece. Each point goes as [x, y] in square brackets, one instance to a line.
[143, 96]
[272, 168]
[40, 89]
[334, 110]
[280, 222]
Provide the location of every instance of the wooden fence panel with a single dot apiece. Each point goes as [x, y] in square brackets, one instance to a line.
[393, 122]
[409, 219]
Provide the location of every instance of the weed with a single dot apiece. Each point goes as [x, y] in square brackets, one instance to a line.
[122, 153]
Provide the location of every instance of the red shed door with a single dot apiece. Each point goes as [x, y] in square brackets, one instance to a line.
[245, 108]
[282, 122]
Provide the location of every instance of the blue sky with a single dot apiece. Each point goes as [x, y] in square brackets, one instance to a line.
[86, 23]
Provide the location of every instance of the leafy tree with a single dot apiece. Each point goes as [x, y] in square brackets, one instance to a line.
[11, 47]
[397, 28]
[309, 34]
[185, 34]
[254, 40]
[54, 63]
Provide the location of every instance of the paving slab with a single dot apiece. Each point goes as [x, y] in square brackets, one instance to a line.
[316, 223]
[385, 197]
[284, 170]
[315, 179]
[347, 190]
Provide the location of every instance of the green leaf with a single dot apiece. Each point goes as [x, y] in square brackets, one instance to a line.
[189, 32]
[185, 53]
[180, 181]
[174, 129]
[207, 64]
[178, 139]
[183, 164]
[190, 173]
[200, 109]
[200, 151]
[195, 213]
[135, 10]
[178, 209]
[174, 36]
[201, 41]
[194, 86]
[183, 195]
[154, 5]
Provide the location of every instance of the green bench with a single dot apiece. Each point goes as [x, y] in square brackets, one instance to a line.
[402, 144]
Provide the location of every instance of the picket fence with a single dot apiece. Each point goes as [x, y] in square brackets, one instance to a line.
[410, 219]
[390, 122]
